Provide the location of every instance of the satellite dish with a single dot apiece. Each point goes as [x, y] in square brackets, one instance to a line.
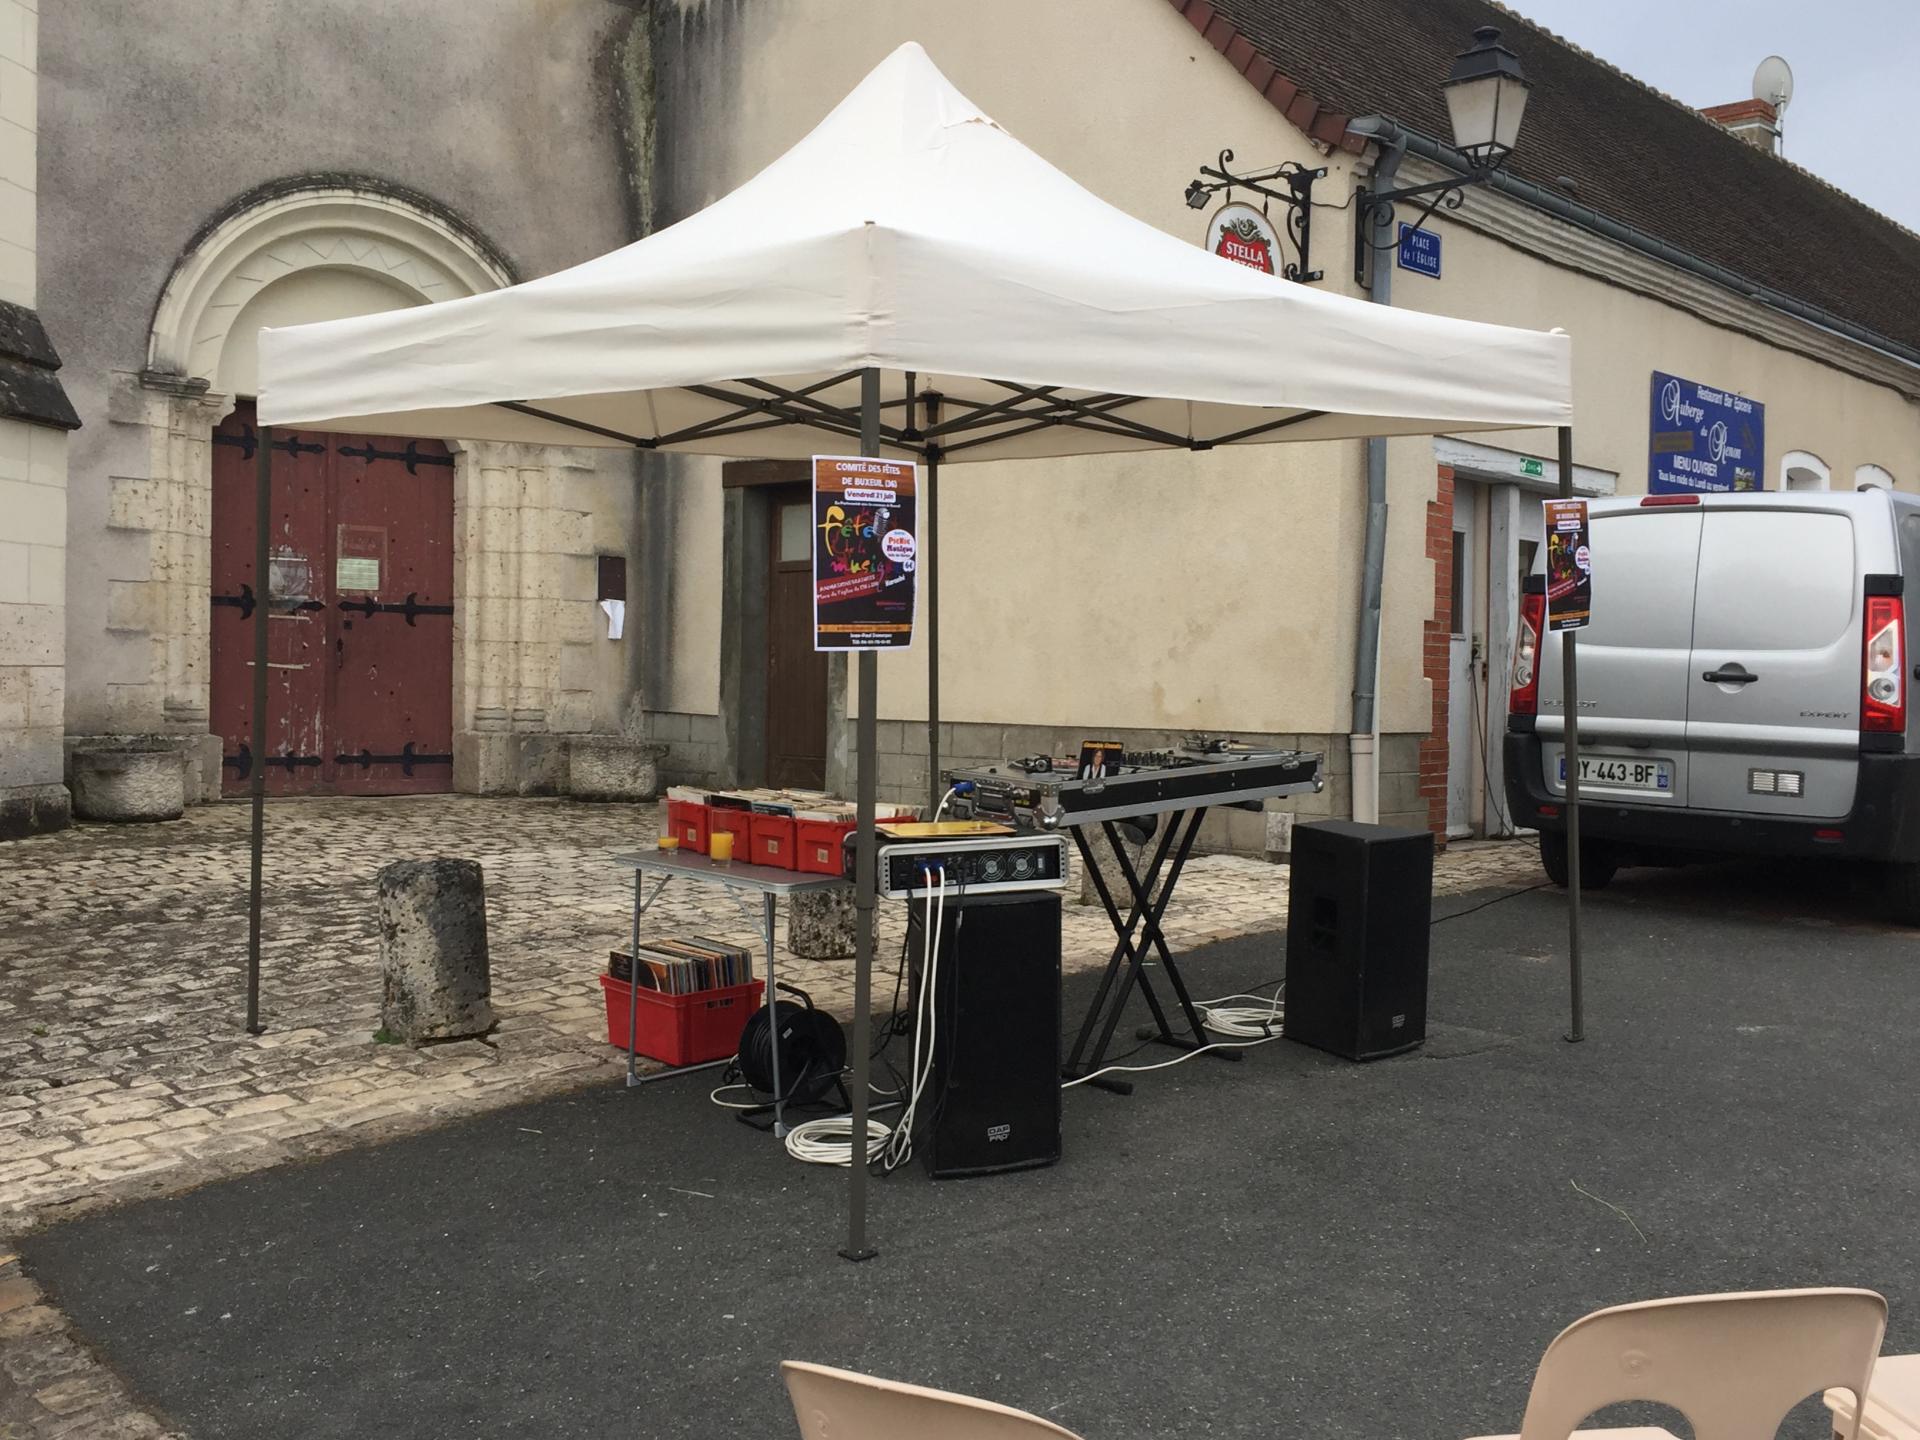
[1773, 83]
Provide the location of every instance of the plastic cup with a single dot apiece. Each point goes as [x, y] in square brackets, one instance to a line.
[720, 846]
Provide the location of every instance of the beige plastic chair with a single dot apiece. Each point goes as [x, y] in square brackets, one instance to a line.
[841, 1405]
[1732, 1364]
[1892, 1411]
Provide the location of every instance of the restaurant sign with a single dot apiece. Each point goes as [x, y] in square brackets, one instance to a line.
[1243, 235]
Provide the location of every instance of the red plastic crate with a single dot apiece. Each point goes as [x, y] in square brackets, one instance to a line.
[740, 822]
[682, 1029]
[688, 819]
[818, 845]
[773, 841]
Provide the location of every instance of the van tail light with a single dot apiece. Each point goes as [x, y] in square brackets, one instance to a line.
[1662, 502]
[1525, 698]
[1883, 690]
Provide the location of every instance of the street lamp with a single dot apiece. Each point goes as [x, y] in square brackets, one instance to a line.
[1486, 97]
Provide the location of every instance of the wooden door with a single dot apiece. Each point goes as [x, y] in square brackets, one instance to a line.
[796, 672]
[360, 634]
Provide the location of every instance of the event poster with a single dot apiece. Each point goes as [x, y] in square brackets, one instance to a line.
[1569, 564]
[865, 553]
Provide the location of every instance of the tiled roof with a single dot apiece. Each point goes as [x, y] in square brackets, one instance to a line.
[1632, 153]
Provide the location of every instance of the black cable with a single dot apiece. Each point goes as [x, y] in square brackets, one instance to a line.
[1471, 909]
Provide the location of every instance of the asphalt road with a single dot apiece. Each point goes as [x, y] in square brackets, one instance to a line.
[1292, 1245]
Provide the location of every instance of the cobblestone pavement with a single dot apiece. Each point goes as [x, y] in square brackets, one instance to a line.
[125, 1070]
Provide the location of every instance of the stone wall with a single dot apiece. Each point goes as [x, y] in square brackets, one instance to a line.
[34, 420]
[33, 619]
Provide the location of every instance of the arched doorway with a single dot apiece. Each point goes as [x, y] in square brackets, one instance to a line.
[362, 635]
[360, 630]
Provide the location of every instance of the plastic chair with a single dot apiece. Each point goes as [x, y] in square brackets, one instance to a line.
[841, 1405]
[1892, 1411]
[1734, 1365]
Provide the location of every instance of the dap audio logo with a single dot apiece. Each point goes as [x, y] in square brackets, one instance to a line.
[997, 1133]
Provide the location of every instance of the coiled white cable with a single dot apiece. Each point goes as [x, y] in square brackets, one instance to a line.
[829, 1140]
[1260, 1022]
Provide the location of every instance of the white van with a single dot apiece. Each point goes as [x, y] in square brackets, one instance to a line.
[1743, 687]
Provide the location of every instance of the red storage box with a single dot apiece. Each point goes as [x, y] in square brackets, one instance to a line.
[740, 822]
[773, 841]
[688, 822]
[682, 1029]
[817, 845]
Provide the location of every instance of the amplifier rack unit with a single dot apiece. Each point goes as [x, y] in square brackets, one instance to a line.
[986, 865]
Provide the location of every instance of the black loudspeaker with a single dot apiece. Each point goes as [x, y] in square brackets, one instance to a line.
[993, 1100]
[1358, 912]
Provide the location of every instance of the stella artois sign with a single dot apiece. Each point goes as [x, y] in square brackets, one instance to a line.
[1242, 234]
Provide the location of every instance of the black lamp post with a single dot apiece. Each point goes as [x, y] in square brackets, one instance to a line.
[1486, 97]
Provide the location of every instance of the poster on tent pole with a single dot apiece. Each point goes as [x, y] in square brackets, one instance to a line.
[1569, 564]
[866, 555]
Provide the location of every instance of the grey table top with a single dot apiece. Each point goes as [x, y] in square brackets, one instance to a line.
[733, 875]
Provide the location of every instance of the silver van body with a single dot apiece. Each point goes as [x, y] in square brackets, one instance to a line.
[1720, 682]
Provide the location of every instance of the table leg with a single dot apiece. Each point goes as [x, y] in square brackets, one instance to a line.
[1122, 952]
[1154, 936]
[773, 1018]
[1142, 893]
[640, 907]
[633, 988]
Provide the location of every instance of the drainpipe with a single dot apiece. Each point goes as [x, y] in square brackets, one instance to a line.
[1363, 741]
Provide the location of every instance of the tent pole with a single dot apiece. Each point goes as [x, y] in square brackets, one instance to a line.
[930, 581]
[1570, 688]
[865, 747]
[257, 777]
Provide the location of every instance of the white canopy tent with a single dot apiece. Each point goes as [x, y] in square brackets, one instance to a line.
[911, 279]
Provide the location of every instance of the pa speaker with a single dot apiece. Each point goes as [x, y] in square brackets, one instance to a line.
[1358, 912]
[995, 1086]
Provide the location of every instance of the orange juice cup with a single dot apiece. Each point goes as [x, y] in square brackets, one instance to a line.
[720, 846]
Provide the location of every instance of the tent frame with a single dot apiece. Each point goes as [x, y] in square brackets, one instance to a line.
[761, 404]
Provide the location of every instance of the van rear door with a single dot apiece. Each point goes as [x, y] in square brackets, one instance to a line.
[1774, 686]
[1634, 660]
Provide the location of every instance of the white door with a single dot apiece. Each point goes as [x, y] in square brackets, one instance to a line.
[1466, 590]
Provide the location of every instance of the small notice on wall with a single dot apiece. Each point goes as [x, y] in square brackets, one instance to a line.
[1569, 564]
[866, 555]
[359, 551]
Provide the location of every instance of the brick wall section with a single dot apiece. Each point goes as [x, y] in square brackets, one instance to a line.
[1435, 660]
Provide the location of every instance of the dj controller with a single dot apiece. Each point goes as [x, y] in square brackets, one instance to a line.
[1107, 782]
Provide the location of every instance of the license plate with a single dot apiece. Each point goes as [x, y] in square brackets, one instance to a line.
[1605, 771]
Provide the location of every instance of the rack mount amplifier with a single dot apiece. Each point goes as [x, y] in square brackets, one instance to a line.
[984, 865]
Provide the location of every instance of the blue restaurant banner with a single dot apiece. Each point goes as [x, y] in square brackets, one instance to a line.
[1419, 251]
[1703, 439]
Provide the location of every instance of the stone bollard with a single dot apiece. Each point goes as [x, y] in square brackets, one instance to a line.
[1137, 856]
[433, 951]
[820, 925]
[129, 781]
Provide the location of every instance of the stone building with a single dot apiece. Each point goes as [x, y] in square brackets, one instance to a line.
[205, 170]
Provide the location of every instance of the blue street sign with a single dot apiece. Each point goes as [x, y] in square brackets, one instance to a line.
[1703, 439]
[1419, 251]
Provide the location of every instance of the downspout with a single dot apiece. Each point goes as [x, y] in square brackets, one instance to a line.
[1363, 752]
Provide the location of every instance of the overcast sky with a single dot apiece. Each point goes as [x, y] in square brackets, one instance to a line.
[1856, 74]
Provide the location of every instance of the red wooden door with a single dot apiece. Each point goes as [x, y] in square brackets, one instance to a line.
[360, 633]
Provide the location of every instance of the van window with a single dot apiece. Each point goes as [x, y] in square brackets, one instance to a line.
[1643, 579]
[1774, 580]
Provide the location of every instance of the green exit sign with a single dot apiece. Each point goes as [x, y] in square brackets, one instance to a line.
[1535, 468]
